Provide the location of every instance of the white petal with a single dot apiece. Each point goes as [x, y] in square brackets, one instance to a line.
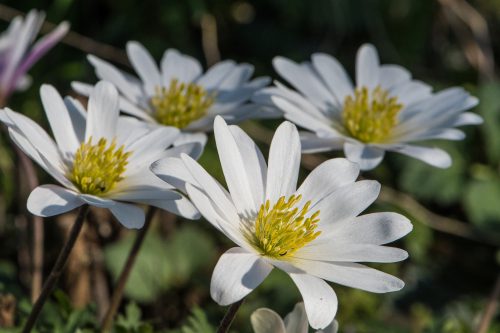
[181, 207]
[267, 321]
[320, 300]
[332, 328]
[368, 157]
[103, 112]
[97, 201]
[411, 92]
[215, 74]
[236, 77]
[199, 138]
[326, 178]
[128, 85]
[175, 65]
[367, 67]
[50, 200]
[433, 156]
[328, 250]
[237, 171]
[236, 274]
[130, 216]
[334, 75]
[311, 143]
[347, 201]
[78, 117]
[284, 162]
[296, 321]
[375, 228]
[351, 275]
[173, 171]
[393, 76]
[144, 65]
[467, 118]
[208, 208]
[212, 188]
[59, 119]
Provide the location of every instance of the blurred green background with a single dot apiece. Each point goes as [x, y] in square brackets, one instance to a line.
[454, 248]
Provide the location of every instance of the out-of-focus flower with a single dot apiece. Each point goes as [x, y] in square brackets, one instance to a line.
[179, 94]
[16, 58]
[99, 158]
[313, 233]
[385, 111]
[267, 321]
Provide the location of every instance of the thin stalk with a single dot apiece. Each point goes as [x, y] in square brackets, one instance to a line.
[56, 270]
[491, 308]
[116, 299]
[229, 317]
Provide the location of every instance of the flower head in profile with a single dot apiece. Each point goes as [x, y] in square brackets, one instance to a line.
[99, 158]
[267, 321]
[178, 93]
[386, 110]
[313, 233]
[16, 57]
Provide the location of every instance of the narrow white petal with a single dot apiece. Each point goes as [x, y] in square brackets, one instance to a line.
[59, 119]
[326, 178]
[433, 156]
[334, 75]
[296, 321]
[78, 117]
[208, 208]
[303, 78]
[284, 162]
[351, 275]
[332, 328]
[467, 118]
[50, 200]
[267, 321]
[236, 274]
[327, 250]
[320, 300]
[173, 171]
[240, 74]
[368, 157]
[144, 65]
[311, 143]
[103, 112]
[130, 216]
[215, 74]
[181, 207]
[127, 84]
[212, 188]
[236, 172]
[175, 65]
[392, 76]
[347, 201]
[376, 228]
[367, 67]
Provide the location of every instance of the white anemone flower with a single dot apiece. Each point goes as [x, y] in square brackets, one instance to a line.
[99, 158]
[178, 93]
[313, 233]
[385, 111]
[267, 321]
[15, 58]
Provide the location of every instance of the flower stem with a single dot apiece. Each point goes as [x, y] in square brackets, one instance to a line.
[229, 317]
[491, 307]
[50, 284]
[116, 299]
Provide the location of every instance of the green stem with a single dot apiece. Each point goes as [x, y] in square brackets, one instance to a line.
[229, 317]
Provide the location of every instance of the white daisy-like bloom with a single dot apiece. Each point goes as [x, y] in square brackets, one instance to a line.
[178, 93]
[15, 58]
[313, 233]
[386, 110]
[99, 158]
[267, 321]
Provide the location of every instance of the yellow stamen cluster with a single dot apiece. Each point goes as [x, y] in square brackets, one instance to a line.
[180, 104]
[98, 167]
[370, 116]
[283, 229]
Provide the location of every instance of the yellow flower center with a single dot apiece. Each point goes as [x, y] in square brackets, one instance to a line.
[283, 229]
[370, 116]
[180, 104]
[98, 167]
